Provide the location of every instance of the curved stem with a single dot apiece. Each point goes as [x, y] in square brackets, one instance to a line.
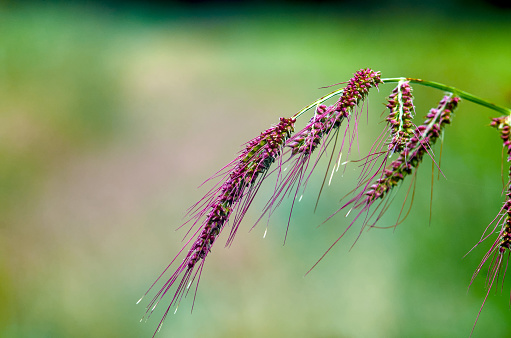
[455, 91]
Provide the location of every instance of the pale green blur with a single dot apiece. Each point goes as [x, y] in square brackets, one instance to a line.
[110, 119]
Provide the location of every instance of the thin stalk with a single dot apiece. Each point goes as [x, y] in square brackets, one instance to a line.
[317, 102]
[455, 91]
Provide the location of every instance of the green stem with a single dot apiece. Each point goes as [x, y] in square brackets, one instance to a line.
[437, 85]
[454, 91]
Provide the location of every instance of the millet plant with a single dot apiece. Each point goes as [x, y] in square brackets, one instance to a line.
[396, 154]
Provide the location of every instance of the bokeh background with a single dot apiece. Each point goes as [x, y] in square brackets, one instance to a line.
[112, 113]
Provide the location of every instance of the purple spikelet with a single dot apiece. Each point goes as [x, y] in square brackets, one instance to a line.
[242, 178]
[411, 155]
[328, 118]
[501, 224]
[399, 133]
[321, 129]
[400, 116]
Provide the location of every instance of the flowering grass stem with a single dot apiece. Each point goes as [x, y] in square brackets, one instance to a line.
[396, 153]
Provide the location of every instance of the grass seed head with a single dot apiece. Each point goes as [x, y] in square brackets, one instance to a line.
[412, 152]
[400, 104]
[328, 118]
[242, 178]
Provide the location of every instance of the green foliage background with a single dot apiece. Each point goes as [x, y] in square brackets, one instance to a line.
[110, 117]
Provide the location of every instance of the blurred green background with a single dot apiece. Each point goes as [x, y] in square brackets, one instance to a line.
[111, 115]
